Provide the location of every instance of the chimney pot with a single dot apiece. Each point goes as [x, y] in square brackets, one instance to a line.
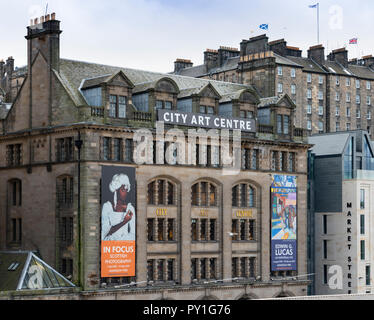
[42, 19]
[47, 17]
[53, 16]
[36, 21]
[31, 22]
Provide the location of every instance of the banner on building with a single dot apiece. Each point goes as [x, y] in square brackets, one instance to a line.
[118, 222]
[284, 223]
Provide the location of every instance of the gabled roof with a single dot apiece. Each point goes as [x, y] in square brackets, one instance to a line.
[23, 270]
[276, 100]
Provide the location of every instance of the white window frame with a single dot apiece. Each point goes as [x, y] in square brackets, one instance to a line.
[280, 87]
[358, 114]
[368, 117]
[348, 82]
[320, 95]
[368, 85]
[358, 99]
[309, 125]
[348, 97]
[358, 84]
[309, 93]
[320, 110]
[280, 71]
[320, 79]
[348, 112]
[293, 88]
[337, 96]
[337, 80]
[309, 78]
[337, 111]
[320, 124]
[293, 73]
[309, 109]
[368, 100]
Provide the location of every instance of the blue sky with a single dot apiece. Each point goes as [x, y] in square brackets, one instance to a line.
[151, 34]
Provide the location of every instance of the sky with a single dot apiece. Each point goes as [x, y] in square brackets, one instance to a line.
[152, 34]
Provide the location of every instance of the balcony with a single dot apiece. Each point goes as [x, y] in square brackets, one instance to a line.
[142, 116]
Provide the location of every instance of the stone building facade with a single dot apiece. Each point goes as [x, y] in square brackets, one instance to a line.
[331, 93]
[196, 226]
[11, 79]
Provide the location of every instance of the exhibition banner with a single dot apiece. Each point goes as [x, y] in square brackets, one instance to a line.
[284, 223]
[118, 222]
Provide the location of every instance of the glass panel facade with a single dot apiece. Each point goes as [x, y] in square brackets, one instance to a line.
[140, 101]
[93, 97]
[348, 161]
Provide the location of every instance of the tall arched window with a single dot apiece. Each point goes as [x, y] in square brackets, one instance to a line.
[65, 191]
[15, 192]
[162, 192]
[204, 194]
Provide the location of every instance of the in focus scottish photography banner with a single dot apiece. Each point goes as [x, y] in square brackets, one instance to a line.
[284, 223]
[118, 222]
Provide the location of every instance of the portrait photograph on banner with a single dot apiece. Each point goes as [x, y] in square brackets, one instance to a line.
[118, 222]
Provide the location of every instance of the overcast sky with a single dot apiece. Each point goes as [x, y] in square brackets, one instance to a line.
[151, 34]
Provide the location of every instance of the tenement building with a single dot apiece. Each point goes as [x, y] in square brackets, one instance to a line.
[84, 184]
[341, 193]
[331, 93]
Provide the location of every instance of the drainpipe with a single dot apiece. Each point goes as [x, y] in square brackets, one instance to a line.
[78, 144]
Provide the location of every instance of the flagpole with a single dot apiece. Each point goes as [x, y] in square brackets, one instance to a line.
[318, 23]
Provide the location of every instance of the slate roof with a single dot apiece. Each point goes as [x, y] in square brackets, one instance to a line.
[329, 144]
[307, 64]
[73, 74]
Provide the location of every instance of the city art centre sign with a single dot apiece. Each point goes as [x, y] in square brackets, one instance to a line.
[206, 121]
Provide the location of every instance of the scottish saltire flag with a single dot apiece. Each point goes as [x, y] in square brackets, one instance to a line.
[353, 41]
[264, 26]
[313, 6]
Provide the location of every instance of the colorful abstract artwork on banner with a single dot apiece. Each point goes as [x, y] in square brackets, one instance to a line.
[284, 223]
[118, 222]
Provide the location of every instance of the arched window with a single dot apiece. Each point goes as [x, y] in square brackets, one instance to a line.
[204, 194]
[161, 192]
[243, 196]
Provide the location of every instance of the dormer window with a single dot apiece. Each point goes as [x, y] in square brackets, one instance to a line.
[160, 104]
[117, 107]
[246, 114]
[206, 110]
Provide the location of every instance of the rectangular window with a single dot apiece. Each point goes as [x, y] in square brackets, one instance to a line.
[171, 229]
[193, 269]
[121, 107]
[324, 223]
[309, 78]
[348, 112]
[129, 149]
[279, 124]
[337, 80]
[362, 249]
[367, 273]
[107, 148]
[368, 85]
[369, 117]
[348, 126]
[203, 230]
[309, 94]
[112, 106]
[234, 229]
[293, 89]
[320, 95]
[160, 270]
[320, 126]
[150, 270]
[309, 109]
[234, 267]
[280, 71]
[293, 73]
[212, 268]
[309, 125]
[362, 224]
[280, 88]
[348, 82]
[325, 274]
[286, 124]
[337, 111]
[150, 229]
[243, 267]
[251, 230]
[170, 266]
[358, 84]
[291, 162]
[212, 229]
[203, 269]
[320, 110]
[368, 100]
[324, 249]
[337, 126]
[337, 96]
[348, 97]
[320, 79]
[358, 99]
[358, 113]
[362, 199]
[117, 149]
[160, 229]
[194, 230]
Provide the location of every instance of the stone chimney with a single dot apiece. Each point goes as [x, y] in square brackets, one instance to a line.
[43, 35]
[340, 56]
[181, 64]
[279, 47]
[294, 51]
[317, 53]
[368, 61]
[2, 69]
[254, 45]
[225, 53]
[9, 67]
[211, 58]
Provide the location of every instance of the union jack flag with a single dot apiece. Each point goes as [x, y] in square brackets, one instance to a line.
[353, 41]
